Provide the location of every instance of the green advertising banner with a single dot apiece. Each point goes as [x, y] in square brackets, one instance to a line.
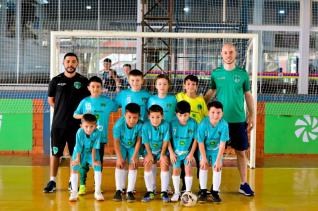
[16, 124]
[291, 129]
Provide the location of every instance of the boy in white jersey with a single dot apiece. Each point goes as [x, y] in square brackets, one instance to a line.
[86, 151]
[213, 133]
[167, 102]
[155, 137]
[183, 141]
[127, 139]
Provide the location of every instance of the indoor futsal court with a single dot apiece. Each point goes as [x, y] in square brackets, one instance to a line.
[258, 58]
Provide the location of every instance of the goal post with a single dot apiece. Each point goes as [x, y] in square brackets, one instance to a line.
[176, 54]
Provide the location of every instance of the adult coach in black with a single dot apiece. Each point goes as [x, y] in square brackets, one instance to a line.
[65, 92]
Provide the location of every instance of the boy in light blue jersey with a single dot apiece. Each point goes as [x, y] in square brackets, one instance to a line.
[168, 104]
[100, 106]
[127, 139]
[213, 133]
[86, 151]
[135, 94]
[183, 139]
[155, 137]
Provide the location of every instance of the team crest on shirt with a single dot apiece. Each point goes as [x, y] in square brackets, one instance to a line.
[77, 85]
[199, 107]
[169, 105]
[237, 78]
[182, 143]
[88, 107]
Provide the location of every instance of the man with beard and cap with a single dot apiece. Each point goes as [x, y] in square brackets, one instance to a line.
[65, 92]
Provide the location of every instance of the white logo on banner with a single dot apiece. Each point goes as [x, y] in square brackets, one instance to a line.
[308, 128]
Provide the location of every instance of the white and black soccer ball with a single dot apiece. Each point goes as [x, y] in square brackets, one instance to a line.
[188, 199]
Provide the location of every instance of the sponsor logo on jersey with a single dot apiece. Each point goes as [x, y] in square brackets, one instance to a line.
[182, 143]
[77, 85]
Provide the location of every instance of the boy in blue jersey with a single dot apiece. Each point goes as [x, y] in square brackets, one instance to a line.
[135, 94]
[86, 151]
[155, 137]
[183, 139]
[127, 139]
[213, 133]
[100, 106]
[168, 104]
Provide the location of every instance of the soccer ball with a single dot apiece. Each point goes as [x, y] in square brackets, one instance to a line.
[188, 199]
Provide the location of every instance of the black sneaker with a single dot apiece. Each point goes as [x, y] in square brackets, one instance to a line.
[50, 187]
[165, 196]
[117, 196]
[130, 197]
[202, 196]
[215, 196]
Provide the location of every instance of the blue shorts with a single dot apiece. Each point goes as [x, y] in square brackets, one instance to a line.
[238, 136]
[127, 153]
[86, 158]
[210, 156]
[181, 159]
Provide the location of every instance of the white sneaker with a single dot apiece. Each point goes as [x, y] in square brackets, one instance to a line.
[99, 196]
[73, 196]
[175, 197]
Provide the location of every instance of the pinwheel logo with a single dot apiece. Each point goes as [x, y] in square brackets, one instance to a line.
[307, 128]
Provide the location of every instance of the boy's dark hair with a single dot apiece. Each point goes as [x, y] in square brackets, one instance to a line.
[133, 108]
[95, 79]
[127, 65]
[107, 60]
[155, 108]
[70, 54]
[136, 72]
[191, 78]
[165, 76]
[215, 104]
[183, 107]
[89, 118]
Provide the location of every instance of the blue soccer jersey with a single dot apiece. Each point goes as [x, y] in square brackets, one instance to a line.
[182, 136]
[127, 136]
[101, 107]
[155, 136]
[127, 96]
[212, 136]
[168, 105]
[85, 144]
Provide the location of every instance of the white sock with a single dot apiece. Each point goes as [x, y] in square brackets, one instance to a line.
[203, 177]
[74, 182]
[132, 176]
[118, 178]
[148, 180]
[216, 180]
[176, 184]
[154, 175]
[188, 182]
[125, 174]
[98, 180]
[164, 176]
[53, 179]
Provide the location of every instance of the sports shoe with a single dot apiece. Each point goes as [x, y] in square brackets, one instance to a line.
[73, 196]
[99, 196]
[175, 197]
[130, 197]
[246, 190]
[50, 187]
[82, 190]
[69, 186]
[117, 196]
[148, 196]
[215, 196]
[164, 196]
[202, 196]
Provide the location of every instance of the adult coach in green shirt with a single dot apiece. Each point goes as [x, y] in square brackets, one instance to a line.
[230, 84]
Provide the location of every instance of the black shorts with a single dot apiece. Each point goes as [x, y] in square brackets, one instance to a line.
[59, 138]
[238, 136]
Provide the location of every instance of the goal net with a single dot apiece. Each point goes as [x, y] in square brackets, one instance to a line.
[174, 54]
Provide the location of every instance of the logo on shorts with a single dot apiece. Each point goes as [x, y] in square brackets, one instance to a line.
[55, 150]
[77, 85]
[129, 142]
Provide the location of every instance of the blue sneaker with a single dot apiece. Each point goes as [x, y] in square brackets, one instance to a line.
[148, 196]
[165, 196]
[50, 187]
[246, 190]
